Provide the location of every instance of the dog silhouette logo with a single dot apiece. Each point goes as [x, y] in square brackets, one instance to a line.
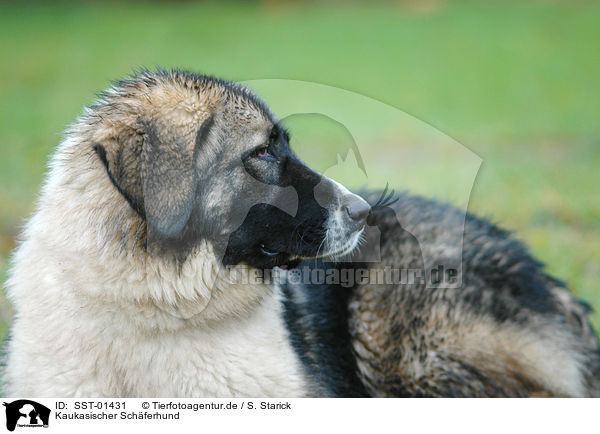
[26, 413]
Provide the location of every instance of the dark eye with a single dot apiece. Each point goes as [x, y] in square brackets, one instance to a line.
[265, 153]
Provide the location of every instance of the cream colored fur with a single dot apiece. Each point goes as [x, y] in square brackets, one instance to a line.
[100, 317]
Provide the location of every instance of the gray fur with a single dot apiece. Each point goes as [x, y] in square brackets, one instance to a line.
[507, 330]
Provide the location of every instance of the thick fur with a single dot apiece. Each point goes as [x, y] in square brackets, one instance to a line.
[121, 287]
[508, 331]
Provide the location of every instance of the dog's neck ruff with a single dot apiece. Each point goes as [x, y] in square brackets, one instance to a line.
[110, 240]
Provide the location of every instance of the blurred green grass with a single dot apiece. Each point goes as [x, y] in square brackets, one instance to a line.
[517, 83]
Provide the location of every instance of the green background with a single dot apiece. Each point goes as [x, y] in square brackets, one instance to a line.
[519, 84]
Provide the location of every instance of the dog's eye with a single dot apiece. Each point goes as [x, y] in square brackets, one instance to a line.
[265, 153]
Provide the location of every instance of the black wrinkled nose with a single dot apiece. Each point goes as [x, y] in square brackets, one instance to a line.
[356, 207]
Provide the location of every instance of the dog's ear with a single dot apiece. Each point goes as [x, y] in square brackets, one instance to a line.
[157, 174]
[169, 182]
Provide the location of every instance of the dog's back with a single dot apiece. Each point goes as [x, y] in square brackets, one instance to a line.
[507, 330]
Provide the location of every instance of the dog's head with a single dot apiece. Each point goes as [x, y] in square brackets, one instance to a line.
[204, 159]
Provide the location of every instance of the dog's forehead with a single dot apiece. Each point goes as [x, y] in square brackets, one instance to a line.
[185, 103]
[246, 111]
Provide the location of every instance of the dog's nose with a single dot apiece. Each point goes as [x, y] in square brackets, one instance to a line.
[356, 207]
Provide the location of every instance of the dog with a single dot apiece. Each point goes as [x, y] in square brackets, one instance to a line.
[507, 329]
[137, 274]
